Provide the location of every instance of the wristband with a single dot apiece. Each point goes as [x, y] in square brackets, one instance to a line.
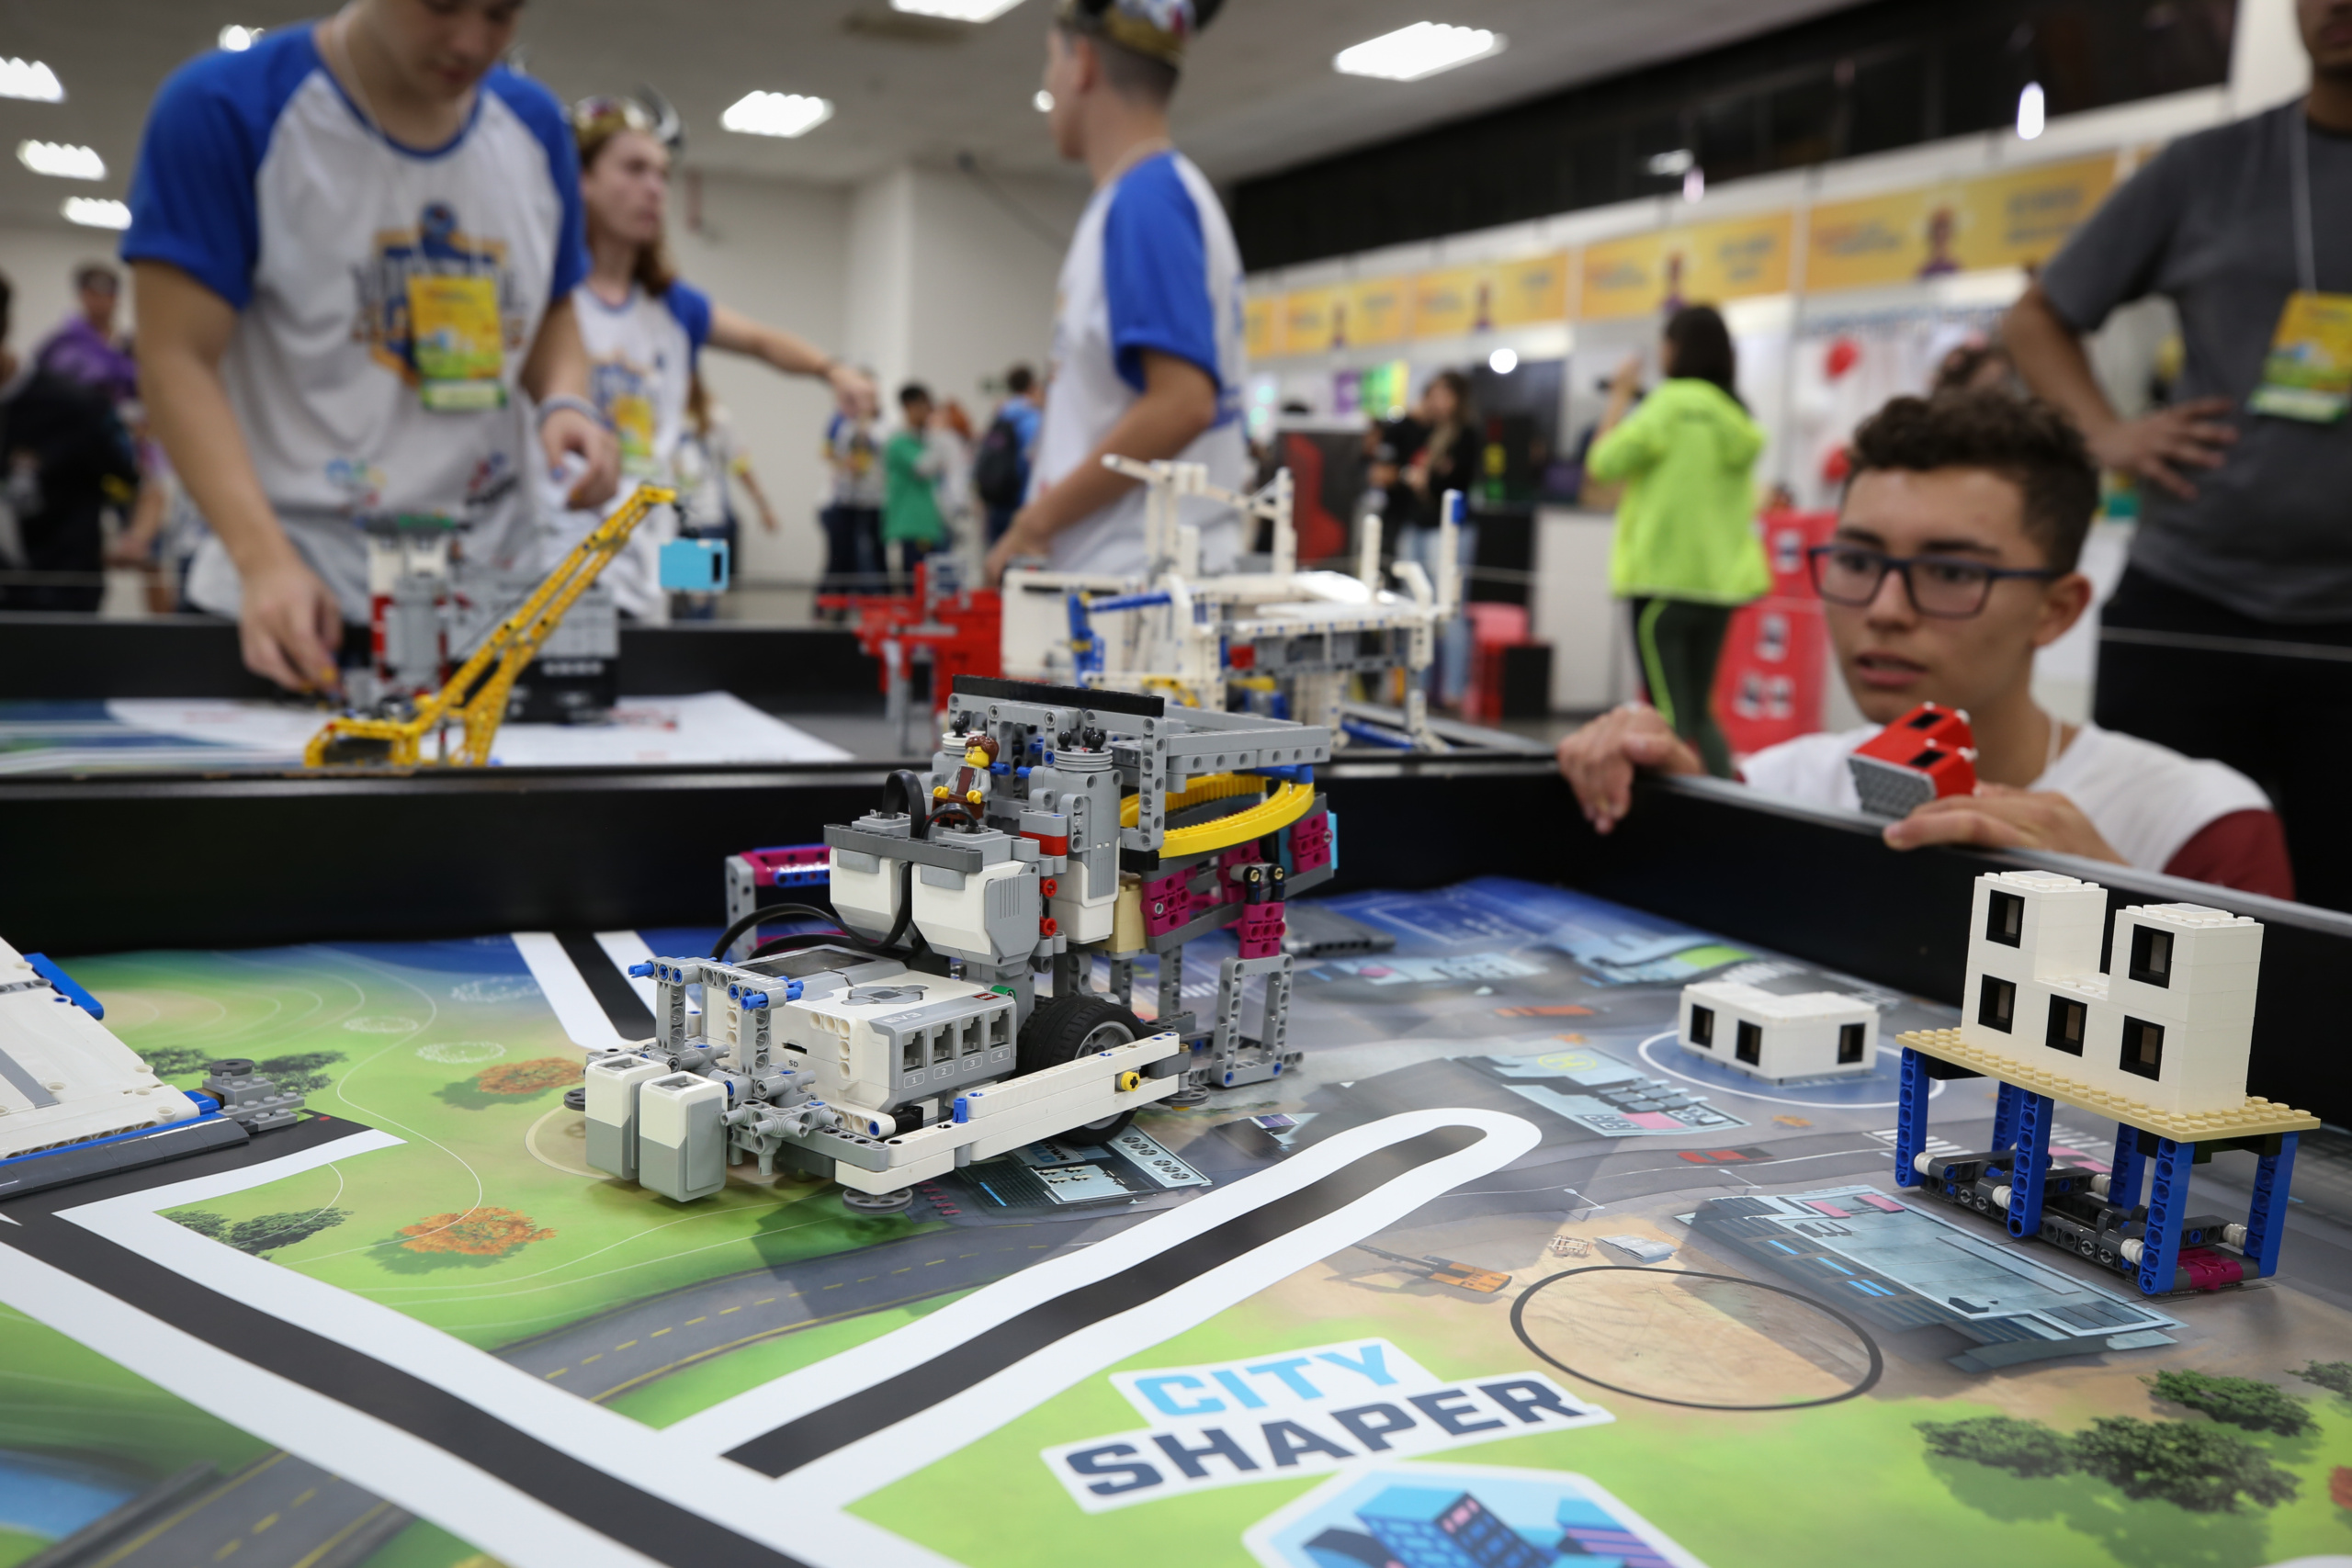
[577, 405]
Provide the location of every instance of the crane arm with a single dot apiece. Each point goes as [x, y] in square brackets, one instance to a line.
[476, 695]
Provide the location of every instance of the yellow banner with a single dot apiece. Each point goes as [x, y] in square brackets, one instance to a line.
[1262, 326]
[1375, 311]
[1531, 290]
[1308, 325]
[1444, 302]
[1704, 264]
[2017, 219]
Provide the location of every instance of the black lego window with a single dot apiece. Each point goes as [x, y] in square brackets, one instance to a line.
[2068, 1019]
[1703, 1027]
[2143, 1047]
[2005, 918]
[1750, 1048]
[2152, 955]
[1997, 1004]
[1850, 1043]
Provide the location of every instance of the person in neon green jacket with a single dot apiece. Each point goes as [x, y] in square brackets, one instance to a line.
[1687, 553]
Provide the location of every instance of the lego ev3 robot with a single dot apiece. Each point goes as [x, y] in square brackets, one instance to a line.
[1060, 823]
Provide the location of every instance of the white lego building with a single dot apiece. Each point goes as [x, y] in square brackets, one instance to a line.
[64, 1078]
[2171, 1025]
[1773, 1037]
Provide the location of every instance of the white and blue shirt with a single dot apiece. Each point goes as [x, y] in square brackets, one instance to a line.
[641, 355]
[259, 178]
[1153, 266]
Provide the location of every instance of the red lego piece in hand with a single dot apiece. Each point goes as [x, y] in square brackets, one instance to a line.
[1926, 754]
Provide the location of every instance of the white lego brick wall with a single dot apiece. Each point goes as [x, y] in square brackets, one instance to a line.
[1799, 1035]
[2205, 1008]
[2062, 920]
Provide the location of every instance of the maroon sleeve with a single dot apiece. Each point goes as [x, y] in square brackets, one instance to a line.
[2245, 849]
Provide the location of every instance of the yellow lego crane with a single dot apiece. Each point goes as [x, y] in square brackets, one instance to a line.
[477, 694]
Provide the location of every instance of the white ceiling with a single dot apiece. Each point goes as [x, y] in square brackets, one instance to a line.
[1260, 93]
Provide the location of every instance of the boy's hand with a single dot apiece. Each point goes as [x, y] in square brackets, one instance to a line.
[1999, 818]
[1598, 760]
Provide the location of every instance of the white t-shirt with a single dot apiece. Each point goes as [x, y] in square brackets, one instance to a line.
[641, 357]
[261, 180]
[1153, 266]
[2146, 800]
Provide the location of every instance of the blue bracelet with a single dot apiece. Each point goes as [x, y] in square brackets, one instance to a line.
[578, 405]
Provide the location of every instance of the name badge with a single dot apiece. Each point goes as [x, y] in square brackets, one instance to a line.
[2308, 373]
[457, 344]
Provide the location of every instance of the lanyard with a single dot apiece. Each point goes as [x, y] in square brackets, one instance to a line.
[2299, 156]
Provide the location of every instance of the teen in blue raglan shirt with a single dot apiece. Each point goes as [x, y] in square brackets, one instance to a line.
[354, 247]
[1148, 341]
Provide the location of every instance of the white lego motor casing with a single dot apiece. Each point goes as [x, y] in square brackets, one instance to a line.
[1775, 1037]
[64, 1078]
[1082, 911]
[865, 890]
[971, 914]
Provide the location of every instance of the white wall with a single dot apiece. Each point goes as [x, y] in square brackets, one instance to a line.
[982, 294]
[40, 264]
[776, 250]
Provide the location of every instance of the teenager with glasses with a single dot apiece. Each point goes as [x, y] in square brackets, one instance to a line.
[645, 328]
[1953, 563]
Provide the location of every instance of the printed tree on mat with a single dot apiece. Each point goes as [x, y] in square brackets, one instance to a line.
[2334, 1376]
[2195, 1465]
[266, 1232]
[474, 1233]
[534, 1076]
[2249, 1403]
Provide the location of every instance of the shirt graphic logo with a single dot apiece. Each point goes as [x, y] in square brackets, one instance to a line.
[625, 392]
[436, 247]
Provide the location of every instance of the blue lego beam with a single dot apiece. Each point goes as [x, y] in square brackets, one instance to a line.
[2168, 1209]
[46, 967]
[2030, 1171]
[2266, 1222]
[1911, 1118]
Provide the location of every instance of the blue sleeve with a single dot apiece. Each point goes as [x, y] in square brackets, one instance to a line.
[192, 202]
[1156, 274]
[691, 307]
[538, 109]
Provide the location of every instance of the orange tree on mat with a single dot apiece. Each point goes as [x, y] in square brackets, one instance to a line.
[534, 1076]
[477, 1232]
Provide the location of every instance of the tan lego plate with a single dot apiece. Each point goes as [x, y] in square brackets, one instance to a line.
[2255, 1117]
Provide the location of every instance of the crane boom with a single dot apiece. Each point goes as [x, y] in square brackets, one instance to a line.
[475, 696]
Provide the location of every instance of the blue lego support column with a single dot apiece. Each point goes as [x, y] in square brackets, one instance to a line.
[1911, 1118]
[2123, 1181]
[2005, 1118]
[2168, 1209]
[2030, 1171]
[2266, 1222]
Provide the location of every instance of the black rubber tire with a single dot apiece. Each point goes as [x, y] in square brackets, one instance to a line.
[1064, 1028]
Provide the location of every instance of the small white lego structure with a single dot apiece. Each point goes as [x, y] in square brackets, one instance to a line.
[1776, 1038]
[2169, 1024]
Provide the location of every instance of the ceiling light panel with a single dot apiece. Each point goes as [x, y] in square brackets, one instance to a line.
[61, 160]
[956, 10]
[1422, 49]
[237, 40]
[31, 79]
[776, 114]
[96, 212]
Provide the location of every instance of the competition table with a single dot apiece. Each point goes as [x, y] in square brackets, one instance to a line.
[1500, 1273]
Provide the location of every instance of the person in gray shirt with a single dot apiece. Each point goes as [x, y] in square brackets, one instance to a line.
[2230, 636]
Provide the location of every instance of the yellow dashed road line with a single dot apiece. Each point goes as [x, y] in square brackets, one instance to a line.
[264, 1523]
[692, 1321]
[656, 1334]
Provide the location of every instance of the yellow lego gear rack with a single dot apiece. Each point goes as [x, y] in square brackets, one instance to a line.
[1280, 809]
[476, 696]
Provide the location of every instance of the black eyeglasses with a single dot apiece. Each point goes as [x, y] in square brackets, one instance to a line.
[1952, 587]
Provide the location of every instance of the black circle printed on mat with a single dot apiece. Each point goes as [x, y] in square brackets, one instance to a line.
[1868, 1346]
